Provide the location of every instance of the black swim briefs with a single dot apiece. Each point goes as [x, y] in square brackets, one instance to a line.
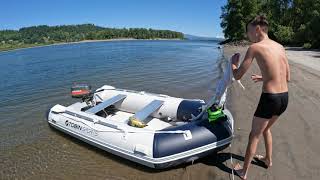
[272, 105]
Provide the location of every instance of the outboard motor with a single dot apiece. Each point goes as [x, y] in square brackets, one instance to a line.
[83, 91]
[80, 90]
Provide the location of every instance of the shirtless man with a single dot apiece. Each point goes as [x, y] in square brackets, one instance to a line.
[274, 67]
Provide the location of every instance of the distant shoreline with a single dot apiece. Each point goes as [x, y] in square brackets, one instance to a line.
[85, 41]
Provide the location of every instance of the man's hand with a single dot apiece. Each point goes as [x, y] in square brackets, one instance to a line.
[256, 78]
[235, 59]
[238, 71]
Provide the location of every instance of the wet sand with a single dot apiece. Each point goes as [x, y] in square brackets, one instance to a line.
[296, 134]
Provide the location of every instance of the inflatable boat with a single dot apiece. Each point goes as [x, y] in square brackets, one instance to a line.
[155, 130]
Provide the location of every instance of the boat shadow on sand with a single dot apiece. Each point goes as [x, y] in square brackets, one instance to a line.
[216, 159]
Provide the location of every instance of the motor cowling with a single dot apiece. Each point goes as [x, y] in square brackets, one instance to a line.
[80, 90]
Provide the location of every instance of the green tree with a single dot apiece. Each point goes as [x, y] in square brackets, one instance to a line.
[233, 20]
[235, 15]
[291, 22]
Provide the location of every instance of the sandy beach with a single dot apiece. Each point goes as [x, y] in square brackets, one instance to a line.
[297, 132]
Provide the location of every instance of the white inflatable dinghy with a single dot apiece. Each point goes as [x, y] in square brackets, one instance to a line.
[155, 130]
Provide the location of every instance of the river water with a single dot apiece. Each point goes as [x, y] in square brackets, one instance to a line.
[32, 80]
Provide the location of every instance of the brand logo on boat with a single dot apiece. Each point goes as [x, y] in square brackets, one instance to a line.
[81, 128]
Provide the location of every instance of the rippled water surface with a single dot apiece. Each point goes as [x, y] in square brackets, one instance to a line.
[32, 80]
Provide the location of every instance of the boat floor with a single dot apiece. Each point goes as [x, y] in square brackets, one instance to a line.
[122, 116]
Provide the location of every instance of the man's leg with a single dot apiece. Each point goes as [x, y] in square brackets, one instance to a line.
[258, 127]
[267, 159]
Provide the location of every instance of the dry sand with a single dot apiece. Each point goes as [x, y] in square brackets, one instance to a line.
[296, 134]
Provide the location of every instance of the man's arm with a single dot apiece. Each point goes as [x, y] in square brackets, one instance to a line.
[239, 72]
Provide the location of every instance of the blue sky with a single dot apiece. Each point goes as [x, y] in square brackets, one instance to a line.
[196, 17]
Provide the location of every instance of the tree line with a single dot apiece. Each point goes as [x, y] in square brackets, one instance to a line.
[44, 34]
[291, 22]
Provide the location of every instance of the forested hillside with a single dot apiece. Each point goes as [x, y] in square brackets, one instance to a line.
[292, 22]
[42, 35]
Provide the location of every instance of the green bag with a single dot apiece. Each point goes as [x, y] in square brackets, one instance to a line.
[213, 116]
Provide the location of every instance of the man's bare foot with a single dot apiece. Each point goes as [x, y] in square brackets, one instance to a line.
[239, 171]
[263, 159]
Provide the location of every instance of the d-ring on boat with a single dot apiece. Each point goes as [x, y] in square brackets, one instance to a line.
[158, 131]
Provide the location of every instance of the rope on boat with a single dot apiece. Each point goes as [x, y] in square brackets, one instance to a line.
[185, 132]
[232, 173]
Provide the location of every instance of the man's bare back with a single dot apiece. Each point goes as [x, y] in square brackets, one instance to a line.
[273, 63]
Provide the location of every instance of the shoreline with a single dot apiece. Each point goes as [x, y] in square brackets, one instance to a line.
[296, 132]
[88, 41]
